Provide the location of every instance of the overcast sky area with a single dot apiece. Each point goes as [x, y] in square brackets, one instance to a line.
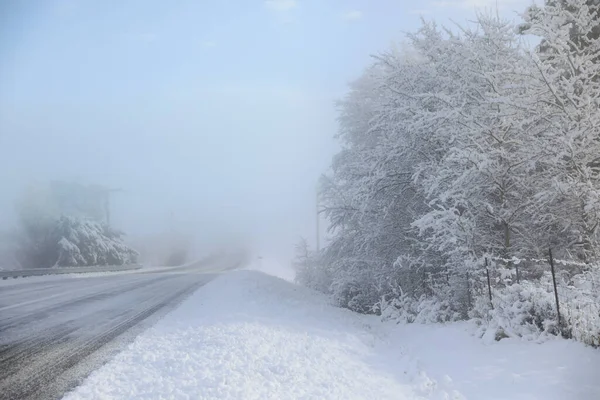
[216, 116]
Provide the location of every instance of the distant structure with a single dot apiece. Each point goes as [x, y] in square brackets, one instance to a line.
[89, 201]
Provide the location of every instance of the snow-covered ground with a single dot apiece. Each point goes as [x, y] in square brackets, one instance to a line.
[272, 265]
[247, 335]
[512, 369]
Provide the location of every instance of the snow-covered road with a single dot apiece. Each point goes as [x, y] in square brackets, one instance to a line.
[54, 331]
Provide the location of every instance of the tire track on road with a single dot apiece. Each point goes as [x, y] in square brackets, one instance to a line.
[13, 322]
[45, 367]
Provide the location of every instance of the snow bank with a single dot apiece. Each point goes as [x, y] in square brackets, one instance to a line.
[272, 266]
[247, 335]
[511, 369]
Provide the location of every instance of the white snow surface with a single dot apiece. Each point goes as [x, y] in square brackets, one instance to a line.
[271, 265]
[247, 335]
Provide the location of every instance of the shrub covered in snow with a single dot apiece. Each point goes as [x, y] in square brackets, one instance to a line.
[73, 241]
[424, 309]
[83, 242]
[308, 271]
[522, 310]
[528, 308]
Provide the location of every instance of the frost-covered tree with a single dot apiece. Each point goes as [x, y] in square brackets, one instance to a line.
[46, 236]
[308, 271]
[481, 185]
[368, 196]
[464, 145]
[568, 64]
[84, 242]
[578, 37]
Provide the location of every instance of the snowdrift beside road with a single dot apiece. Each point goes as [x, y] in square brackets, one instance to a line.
[271, 266]
[247, 335]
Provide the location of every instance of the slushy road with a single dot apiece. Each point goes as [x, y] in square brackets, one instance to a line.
[54, 332]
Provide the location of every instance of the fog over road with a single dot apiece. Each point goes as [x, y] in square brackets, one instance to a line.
[54, 332]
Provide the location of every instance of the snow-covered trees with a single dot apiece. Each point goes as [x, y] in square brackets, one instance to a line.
[73, 241]
[84, 242]
[465, 145]
[568, 65]
[60, 225]
[307, 270]
[479, 185]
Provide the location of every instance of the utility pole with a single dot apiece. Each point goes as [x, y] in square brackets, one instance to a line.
[317, 223]
[107, 193]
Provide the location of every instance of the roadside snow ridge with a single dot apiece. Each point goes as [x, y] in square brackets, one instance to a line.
[247, 335]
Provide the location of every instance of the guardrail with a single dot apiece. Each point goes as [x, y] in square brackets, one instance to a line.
[23, 273]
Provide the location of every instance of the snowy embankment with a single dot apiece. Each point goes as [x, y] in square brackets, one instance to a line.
[247, 335]
[272, 266]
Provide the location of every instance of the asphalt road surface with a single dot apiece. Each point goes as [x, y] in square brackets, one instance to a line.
[54, 332]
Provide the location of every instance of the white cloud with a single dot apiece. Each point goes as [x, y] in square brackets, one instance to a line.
[283, 11]
[352, 15]
[500, 4]
[280, 5]
[420, 11]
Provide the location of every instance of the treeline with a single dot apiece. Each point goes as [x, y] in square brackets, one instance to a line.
[463, 145]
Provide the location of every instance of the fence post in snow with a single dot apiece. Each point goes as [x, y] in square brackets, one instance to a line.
[554, 284]
[487, 271]
[469, 291]
[509, 263]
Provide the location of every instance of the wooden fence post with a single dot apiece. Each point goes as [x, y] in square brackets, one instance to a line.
[487, 271]
[554, 284]
[469, 291]
[518, 275]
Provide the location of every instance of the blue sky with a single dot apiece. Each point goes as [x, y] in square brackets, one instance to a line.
[216, 114]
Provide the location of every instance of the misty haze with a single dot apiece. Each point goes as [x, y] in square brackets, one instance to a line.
[300, 199]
